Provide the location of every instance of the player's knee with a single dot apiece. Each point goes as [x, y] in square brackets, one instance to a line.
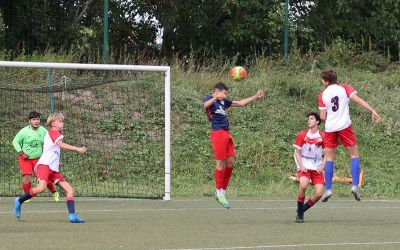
[302, 189]
[70, 192]
[26, 178]
[230, 161]
[41, 187]
[221, 164]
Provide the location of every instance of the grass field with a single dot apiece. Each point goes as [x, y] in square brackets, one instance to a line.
[201, 224]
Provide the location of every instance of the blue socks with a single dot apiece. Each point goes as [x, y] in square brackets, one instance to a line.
[328, 174]
[25, 197]
[355, 171]
[71, 206]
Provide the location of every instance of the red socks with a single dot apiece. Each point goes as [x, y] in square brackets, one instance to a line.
[26, 186]
[222, 177]
[219, 178]
[227, 176]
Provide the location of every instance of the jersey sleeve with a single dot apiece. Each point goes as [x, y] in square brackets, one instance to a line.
[55, 135]
[300, 139]
[321, 103]
[228, 103]
[17, 141]
[350, 91]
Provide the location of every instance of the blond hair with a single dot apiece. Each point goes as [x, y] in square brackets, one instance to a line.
[54, 117]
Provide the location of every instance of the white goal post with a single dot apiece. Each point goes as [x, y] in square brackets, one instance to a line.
[140, 68]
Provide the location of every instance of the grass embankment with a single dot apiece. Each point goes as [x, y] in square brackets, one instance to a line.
[264, 131]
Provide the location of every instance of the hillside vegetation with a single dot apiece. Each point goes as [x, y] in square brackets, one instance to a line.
[263, 131]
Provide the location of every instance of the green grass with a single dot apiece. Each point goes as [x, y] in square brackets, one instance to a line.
[201, 224]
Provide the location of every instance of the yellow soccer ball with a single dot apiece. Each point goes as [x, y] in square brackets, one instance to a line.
[238, 73]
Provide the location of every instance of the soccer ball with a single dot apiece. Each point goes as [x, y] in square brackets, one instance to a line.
[238, 73]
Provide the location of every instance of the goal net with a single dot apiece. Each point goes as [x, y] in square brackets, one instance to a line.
[121, 113]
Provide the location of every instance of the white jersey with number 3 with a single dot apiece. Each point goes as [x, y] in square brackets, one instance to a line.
[335, 99]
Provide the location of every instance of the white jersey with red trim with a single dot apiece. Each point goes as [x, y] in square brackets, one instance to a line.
[335, 99]
[51, 151]
[311, 145]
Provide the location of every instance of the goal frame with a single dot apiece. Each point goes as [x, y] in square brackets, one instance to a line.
[141, 68]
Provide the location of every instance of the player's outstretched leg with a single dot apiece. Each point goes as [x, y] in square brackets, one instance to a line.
[17, 208]
[73, 218]
[18, 202]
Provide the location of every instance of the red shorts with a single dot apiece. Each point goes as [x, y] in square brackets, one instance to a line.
[43, 172]
[346, 136]
[222, 144]
[26, 165]
[313, 175]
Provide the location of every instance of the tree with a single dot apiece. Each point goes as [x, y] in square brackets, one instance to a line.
[39, 25]
[370, 24]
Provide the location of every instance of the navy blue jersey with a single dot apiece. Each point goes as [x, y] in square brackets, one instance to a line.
[217, 113]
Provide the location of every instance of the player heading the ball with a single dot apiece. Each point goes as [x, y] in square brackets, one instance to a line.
[216, 106]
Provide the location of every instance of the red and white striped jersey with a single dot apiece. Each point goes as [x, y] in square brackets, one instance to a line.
[311, 145]
[335, 99]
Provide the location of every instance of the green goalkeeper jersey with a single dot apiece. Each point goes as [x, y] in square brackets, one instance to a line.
[30, 141]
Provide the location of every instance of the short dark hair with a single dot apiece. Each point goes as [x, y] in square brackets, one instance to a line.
[316, 115]
[33, 114]
[221, 86]
[330, 76]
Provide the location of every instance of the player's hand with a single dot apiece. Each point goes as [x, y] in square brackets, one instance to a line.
[259, 94]
[303, 169]
[220, 95]
[81, 150]
[375, 116]
[23, 155]
[320, 169]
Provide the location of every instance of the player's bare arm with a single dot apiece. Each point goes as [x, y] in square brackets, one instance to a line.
[297, 154]
[70, 147]
[217, 95]
[246, 101]
[322, 114]
[321, 168]
[210, 102]
[374, 115]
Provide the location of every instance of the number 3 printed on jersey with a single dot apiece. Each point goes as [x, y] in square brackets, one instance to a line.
[335, 101]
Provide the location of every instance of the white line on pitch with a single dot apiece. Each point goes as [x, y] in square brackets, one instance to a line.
[295, 245]
[194, 200]
[190, 209]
